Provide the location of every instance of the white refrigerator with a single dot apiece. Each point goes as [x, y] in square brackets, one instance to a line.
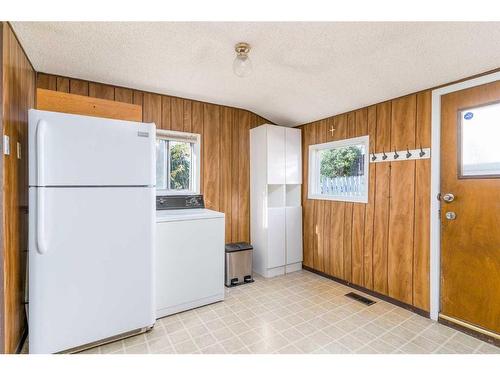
[91, 229]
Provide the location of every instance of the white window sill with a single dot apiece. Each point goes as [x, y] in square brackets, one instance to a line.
[177, 192]
[338, 198]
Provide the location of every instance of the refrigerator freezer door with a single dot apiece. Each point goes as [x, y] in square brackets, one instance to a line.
[95, 277]
[74, 150]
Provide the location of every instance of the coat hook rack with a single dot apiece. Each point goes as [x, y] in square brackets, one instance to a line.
[396, 155]
[421, 153]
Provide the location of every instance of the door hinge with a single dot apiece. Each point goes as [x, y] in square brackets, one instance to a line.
[19, 150]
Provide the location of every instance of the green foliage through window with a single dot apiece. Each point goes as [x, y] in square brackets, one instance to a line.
[174, 165]
[341, 162]
[180, 165]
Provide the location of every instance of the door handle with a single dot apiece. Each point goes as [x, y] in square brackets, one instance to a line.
[40, 162]
[40, 198]
[448, 197]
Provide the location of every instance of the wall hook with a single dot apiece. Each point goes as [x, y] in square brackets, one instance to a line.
[422, 152]
[374, 157]
[396, 155]
[384, 156]
[408, 153]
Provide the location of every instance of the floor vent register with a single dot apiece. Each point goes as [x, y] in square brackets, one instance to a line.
[359, 298]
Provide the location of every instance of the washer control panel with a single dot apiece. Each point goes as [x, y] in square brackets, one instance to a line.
[177, 202]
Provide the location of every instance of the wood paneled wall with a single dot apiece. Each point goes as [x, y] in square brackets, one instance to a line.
[382, 246]
[225, 165]
[18, 95]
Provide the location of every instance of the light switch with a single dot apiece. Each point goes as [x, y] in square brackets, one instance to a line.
[6, 145]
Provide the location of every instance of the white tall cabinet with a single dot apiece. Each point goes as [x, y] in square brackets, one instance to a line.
[275, 199]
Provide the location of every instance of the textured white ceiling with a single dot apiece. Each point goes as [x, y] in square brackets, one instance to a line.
[302, 71]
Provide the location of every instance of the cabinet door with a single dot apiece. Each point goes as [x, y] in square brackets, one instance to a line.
[293, 235]
[293, 156]
[275, 154]
[276, 237]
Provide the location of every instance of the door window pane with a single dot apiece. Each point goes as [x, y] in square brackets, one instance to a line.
[480, 135]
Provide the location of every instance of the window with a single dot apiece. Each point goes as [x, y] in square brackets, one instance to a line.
[479, 154]
[177, 162]
[339, 170]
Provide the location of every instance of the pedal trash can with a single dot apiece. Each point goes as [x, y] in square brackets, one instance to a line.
[238, 268]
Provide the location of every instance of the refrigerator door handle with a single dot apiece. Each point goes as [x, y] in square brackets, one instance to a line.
[40, 138]
[40, 209]
[40, 222]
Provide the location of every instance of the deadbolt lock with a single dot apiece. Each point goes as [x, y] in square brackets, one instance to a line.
[450, 215]
[448, 197]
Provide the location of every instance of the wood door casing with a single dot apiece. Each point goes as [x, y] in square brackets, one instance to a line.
[470, 244]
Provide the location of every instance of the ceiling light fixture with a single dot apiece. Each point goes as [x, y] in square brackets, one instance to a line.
[242, 66]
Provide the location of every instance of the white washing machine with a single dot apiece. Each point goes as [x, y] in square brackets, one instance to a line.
[189, 254]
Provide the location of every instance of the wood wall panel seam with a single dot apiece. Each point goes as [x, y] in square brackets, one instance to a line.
[124, 95]
[401, 208]
[98, 90]
[244, 175]
[421, 251]
[225, 191]
[166, 111]
[78, 87]
[187, 115]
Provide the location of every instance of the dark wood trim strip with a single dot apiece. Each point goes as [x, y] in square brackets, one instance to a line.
[24, 336]
[383, 297]
[2, 305]
[470, 332]
[20, 45]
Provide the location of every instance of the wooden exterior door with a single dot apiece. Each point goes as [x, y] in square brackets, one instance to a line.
[470, 207]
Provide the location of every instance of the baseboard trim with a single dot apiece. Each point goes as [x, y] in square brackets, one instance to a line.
[470, 329]
[294, 267]
[170, 310]
[383, 297]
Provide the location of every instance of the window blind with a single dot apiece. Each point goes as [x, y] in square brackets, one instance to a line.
[171, 135]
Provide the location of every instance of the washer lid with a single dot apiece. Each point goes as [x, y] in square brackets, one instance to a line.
[187, 214]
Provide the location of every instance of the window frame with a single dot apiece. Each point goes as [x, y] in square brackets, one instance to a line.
[460, 145]
[195, 140]
[314, 169]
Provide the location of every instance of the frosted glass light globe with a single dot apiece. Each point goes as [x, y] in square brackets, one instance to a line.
[242, 66]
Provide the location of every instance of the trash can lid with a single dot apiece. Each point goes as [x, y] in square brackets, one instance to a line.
[238, 246]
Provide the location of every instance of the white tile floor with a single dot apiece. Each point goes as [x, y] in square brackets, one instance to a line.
[297, 313]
